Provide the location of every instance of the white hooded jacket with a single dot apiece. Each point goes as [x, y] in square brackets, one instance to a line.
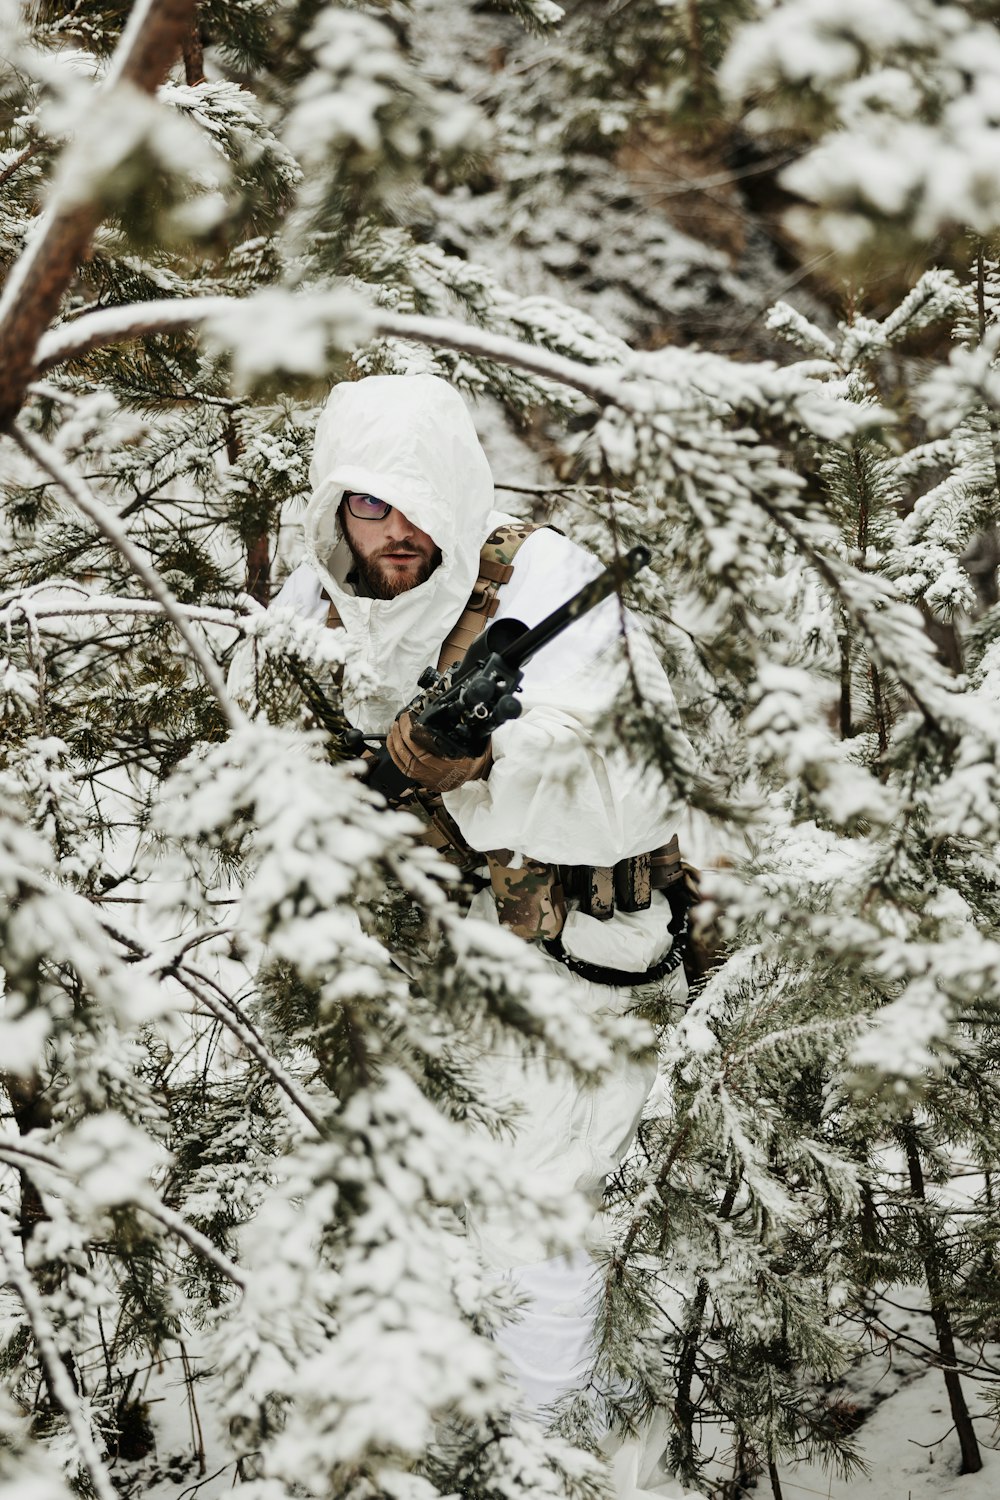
[555, 792]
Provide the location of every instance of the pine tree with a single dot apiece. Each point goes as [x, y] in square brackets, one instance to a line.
[238, 1121]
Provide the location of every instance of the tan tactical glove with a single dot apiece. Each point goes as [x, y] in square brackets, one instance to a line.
[411, 749]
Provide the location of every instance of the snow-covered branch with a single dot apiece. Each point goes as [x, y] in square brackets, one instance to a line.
[173, 1222]
[209, 994]
[198, 1242]
[40, 605]
[120, 324]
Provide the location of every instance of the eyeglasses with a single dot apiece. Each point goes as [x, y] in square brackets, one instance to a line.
[367, 507]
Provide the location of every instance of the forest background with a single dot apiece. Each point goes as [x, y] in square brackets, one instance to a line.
[720, 276]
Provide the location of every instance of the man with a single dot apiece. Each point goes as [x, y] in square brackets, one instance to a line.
[402, 505]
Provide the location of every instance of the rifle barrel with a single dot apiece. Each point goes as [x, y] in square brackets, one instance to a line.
[606, 583]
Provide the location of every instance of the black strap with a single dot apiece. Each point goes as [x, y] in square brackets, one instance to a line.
[620, 978]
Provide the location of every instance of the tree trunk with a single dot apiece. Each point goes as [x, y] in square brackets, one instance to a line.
[31, 1111]
[682, 1444]
[258, 576]
[149, 44]
[193, 52]
[971, 1458]
[258, 584]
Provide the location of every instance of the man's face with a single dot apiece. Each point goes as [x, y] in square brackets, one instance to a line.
[391, 554]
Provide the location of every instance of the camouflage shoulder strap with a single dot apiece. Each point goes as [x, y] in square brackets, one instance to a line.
[496, 564]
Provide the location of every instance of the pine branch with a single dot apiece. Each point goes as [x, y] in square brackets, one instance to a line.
[34, 289]
[198, 1242]
[171, 1221]
[57, 1376]
[603, 387]
[107, 524]
[18, 162]
[120, 324]
[228, 1014]
[23, 604]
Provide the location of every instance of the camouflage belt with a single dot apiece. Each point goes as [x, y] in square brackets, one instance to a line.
[531, 897]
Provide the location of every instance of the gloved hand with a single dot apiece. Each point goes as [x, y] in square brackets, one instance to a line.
[411, 749]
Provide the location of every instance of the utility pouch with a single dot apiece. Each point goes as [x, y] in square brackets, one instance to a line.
[633, 883]
[601, 890]
[530, 899]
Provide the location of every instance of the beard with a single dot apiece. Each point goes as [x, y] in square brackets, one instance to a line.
[384, 581]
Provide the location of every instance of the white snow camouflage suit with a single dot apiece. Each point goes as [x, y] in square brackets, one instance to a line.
[553, 794]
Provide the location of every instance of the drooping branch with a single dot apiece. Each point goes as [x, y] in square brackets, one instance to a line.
[173, 1222]
[107, 523]
[229, 1014]
[198, 1242]
[149, 44]
[40, 608]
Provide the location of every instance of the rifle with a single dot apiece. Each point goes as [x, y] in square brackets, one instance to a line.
[458, 710]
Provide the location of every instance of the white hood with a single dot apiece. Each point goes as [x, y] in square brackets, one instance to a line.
[410, 440]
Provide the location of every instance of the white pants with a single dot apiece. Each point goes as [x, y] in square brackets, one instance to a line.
[566, 1137]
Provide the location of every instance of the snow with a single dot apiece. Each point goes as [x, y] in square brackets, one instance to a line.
[906, 1445]
[917, 149]
[278, 330]
[110, 1161]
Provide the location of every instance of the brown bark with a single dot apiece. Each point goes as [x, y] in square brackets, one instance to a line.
[685, 1413]
[258, 584]
[31, 1111]
[846, 728]
[696, 53]
[194, 52]
[144, 57]
[971, 1458]
[258, 578]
